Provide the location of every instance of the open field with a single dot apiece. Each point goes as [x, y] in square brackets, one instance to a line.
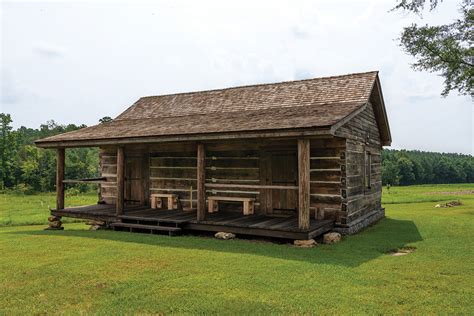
[80, 271]
[20, 209]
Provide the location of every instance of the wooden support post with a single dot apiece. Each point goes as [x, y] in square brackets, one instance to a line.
[303, 183]
[119, 204]
[201, 178]
[145, 171]
[60, 158]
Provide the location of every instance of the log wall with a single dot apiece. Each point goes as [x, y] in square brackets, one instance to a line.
[362, 136]
[172, 168]
[326, 175]
[108, 169]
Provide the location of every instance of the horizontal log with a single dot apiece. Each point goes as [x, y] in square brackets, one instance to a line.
[86, 180]
[325, 164]
[251, 186]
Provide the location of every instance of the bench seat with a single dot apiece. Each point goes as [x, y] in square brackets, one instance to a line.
[156, 200]
[213, 203]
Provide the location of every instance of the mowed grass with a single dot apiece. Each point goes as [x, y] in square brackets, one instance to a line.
[78, 271]
[21, 209]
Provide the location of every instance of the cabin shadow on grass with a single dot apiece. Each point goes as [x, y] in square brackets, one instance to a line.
[375, 241]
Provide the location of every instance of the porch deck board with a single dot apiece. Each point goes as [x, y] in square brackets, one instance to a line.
[258, 224]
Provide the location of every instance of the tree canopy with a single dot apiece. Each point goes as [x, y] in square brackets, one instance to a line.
[27, 168]
[445, 49]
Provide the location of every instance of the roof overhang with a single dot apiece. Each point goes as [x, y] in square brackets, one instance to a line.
[380, 112]
[270, 134]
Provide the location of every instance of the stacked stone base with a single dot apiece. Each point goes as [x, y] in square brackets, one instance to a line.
[55, 223]
[96, 225]
[361, 223]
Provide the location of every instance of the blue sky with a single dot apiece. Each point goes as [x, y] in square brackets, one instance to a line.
[76, 63]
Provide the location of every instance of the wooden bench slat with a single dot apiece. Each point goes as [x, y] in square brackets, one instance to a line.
[162, 195]
[228, 198]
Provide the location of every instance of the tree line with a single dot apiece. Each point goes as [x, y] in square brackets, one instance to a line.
[406, 167]
[26, 168]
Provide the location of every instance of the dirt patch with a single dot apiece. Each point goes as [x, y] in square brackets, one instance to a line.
[466, 192]
[402, 251]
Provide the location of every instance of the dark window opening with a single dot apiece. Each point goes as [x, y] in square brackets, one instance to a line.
[368, 169]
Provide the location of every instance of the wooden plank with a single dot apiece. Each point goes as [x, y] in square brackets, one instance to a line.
[251, 186]
[145, 183]
[228, 198]
[86, 180]
[147, 227]
[275, 134]
[268, 222]
[265, 174]
[303, 183]
[286, 225]
[60, 159]
[120, 180]
[201, 179]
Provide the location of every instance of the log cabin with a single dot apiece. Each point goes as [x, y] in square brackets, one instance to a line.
[286, 160]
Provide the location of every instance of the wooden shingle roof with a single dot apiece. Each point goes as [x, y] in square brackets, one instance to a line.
[303, 104]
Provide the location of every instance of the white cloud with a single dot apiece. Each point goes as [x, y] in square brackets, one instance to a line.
[82, 61]
[49, 50]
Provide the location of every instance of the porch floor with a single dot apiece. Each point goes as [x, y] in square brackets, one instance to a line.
[256, 225]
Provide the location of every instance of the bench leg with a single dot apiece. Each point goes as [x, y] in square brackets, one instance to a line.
[248, 207]
[210, 206]
[159, 202]
[153, 202]
[170, 203]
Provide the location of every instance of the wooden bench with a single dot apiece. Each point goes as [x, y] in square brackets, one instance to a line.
[157, 200]
[213, 203]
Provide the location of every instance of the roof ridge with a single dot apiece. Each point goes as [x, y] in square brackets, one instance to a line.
[258, 85]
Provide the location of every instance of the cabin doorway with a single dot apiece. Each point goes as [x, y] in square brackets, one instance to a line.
[284, 172]
[133, 181]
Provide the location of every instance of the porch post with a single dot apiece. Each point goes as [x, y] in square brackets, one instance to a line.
[201, 178]
[120, 180]
[303, 183]
[60, 157]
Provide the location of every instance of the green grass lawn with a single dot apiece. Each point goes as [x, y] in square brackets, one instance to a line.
[21, 209]
[78, 271]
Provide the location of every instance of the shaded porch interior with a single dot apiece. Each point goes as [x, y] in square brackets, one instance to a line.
[295, 186]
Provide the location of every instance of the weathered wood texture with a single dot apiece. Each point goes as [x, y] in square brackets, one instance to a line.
[119, 204]
[228, 167]
[108, 170]
[362, 135]
[60, 160]
[201, 180]
[303, 183]
[253, 169]
[327, 176]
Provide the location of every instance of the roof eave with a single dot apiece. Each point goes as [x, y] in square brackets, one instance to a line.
[302, 132]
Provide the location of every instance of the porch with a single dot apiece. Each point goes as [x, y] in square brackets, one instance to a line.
[142, 218]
